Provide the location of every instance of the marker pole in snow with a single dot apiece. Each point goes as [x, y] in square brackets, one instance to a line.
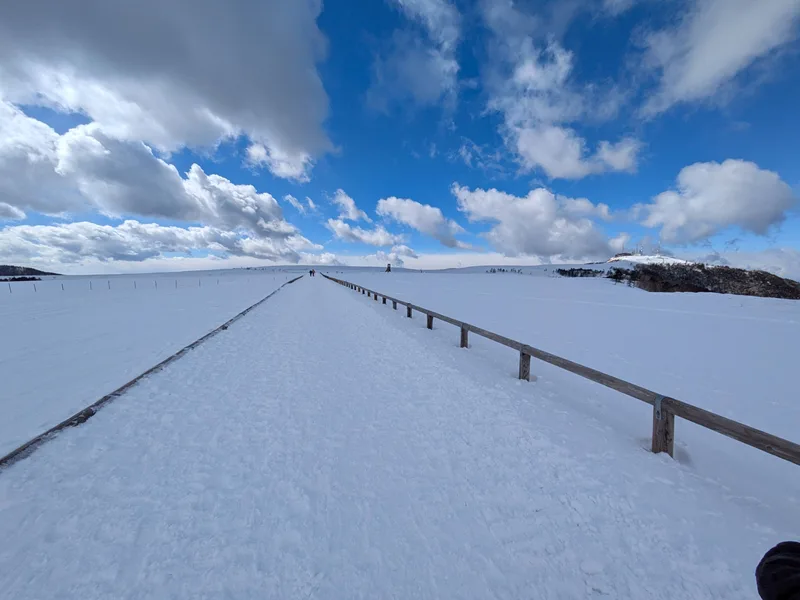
[524, 366]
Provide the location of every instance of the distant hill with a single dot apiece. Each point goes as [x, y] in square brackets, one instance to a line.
[12, 271]
[698, 277]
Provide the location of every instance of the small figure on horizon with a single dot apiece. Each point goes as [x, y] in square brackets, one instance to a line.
[389, 268]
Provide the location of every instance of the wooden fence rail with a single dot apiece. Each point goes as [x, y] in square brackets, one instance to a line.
[665, 409]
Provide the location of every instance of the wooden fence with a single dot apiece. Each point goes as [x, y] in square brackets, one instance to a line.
[665, 409]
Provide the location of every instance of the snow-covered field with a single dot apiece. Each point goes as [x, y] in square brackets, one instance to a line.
[327, 447]
[60, 350]
[736, 356]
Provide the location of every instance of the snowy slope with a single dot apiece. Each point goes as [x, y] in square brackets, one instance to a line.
[62, 350]
[642, 259]
[733, 355]
[327, 447]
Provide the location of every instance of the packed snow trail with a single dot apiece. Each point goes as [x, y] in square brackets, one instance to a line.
[320, 448]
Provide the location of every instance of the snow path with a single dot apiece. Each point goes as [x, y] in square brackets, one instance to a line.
[320, 448]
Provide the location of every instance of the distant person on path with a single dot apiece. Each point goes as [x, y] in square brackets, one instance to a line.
[388, 268]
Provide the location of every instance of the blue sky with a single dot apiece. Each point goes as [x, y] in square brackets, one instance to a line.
[428, 133]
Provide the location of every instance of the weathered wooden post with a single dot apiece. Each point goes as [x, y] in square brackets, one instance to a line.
[394, 304]
[384, 299]
[408, 311]
[663, 428]
[363, 291]
[464, 336]
[376, 296]
[524, 365]
[430, 321]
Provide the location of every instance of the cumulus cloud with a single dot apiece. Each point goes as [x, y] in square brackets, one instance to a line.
[539, 224]
[582, 207]
[347, 207]
[710, 197]
[85, 169]
[67, 243]
[373, 237]
[419, 65]
[403, 250]
[424, 218]
[532, 87]
[713, 42]
[176, 74]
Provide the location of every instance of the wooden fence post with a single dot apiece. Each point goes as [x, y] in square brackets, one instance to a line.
[430, 322]
[464, 337]
[408, 309]
[363, 291]
[394, 304]
[524, 366]
[376, 296]
[384, 299]
[663, 428]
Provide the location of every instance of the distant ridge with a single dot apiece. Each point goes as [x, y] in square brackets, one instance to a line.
[13, 271]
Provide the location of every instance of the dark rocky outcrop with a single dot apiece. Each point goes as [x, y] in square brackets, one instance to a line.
[703, 278]
[13, 271]
[578, 272]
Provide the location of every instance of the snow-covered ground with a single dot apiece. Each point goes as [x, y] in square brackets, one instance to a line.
[60, 350]
[327, 447]
[644, 259]
[736, 356]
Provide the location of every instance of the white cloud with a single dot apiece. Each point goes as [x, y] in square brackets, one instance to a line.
[539, 224]
[324, 259]
[617, 7]
[28, 161]
[176, 74]
[424, 218]
[132, 241]
[296, 203]
[621, 156]
[10, 213]
[283, 164]
[303, 209]
[561, 153]
[420, 67]
[347, 207]
[711, 197]
[714, 41]
[374, 237]
[87, 170]
[784, 262]
[582, 207]
[403, 250]
[477, 156]
[532, 88]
